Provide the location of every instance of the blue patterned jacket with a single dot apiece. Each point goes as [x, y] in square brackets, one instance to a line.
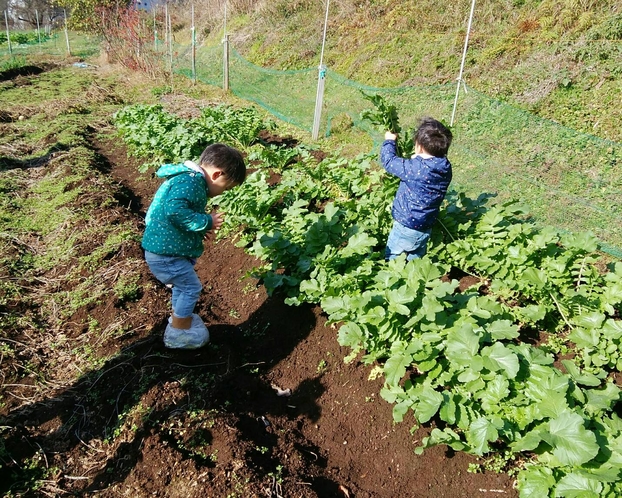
[423, 185]
[176, 221]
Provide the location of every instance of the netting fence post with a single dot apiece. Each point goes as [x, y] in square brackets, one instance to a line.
[67, 34]
[464, 51]
[155, 30]
[8, 34]
[169, 32]
[225, 55]
[38, 28]
[319, 95]
[319, 100]
[194, 49]
[225, 64]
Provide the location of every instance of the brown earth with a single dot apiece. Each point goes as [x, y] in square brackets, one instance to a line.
[332, 437]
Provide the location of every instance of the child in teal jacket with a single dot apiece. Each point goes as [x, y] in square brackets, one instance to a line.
[175, 226]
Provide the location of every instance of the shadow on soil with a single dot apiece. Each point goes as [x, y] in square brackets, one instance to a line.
[150, 381]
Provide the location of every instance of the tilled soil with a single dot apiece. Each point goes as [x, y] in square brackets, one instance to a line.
[286, 417]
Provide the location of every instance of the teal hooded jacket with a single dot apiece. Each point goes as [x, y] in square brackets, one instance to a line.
[176, 220]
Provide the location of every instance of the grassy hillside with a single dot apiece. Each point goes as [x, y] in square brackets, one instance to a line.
[560, 59]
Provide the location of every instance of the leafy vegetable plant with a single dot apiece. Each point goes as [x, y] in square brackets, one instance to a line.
[482, 362]
[384, 116]
[163, 137]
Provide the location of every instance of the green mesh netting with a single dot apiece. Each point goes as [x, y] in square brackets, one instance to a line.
[289, 95]
[566, 179]
[54, 44]
[208, 63]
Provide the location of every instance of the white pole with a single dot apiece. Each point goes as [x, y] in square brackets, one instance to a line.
[319, 96]
[466, 44]
[194, 49]
[225, 55]
[67, 34]
[225, 27]
[38, 28]
[170, 40]
[166, 28]
[8, 34]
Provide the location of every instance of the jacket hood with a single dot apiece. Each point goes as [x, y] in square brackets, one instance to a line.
[170, 170]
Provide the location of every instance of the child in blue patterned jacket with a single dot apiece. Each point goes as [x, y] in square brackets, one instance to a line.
[424, 181]
[175, 226]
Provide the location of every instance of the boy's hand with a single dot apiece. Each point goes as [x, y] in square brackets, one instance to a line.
[217, 219]
[390, 136]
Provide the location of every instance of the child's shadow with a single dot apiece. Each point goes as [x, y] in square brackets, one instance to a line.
[119, 399]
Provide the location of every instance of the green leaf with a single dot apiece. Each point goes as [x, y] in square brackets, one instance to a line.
[400, 409]
[532, 355]
[574, 485]
[572, 443]
[395, 367]
[528, 441]
[462, 345]
[548, 387]
[592, 320]
[585, 338]
[334, 305]
[359, 243]
[447, 411]
[424, 270]
[535, 482]
[480, 433]
[431, 306]
[351, 335]
[427, 404]
[499, 358]
[584, 241]
[535, 276]
[605, 472]
[391, 393]
[474, 308]
[470, 374]
[583, 378]
[613, 328]
[602, 399]
[532, 312]
[396, 298]
[502, 329]
[445, 436]
[496, 390]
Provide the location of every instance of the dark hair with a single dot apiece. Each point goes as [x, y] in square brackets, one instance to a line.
[228, 159]
[433, 136]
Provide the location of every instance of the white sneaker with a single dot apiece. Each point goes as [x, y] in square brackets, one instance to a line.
[194, 337]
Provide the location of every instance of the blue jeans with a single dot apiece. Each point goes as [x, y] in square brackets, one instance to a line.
[179, 272]
[406, 240]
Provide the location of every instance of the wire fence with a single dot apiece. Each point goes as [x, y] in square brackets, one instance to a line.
[56, 43]
[566, 179]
